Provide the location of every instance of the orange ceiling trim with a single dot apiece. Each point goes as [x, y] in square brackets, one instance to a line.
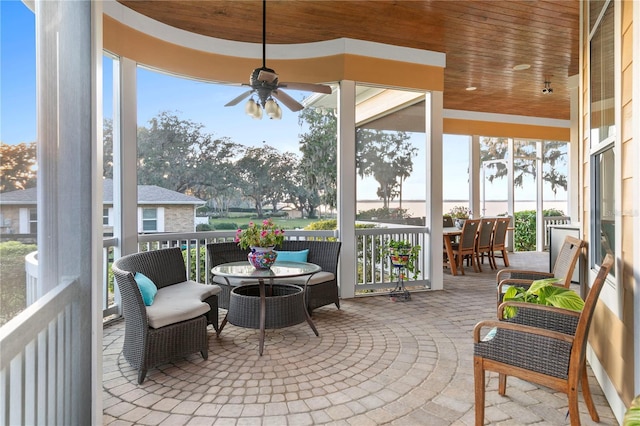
[125, 41]
[512, 130]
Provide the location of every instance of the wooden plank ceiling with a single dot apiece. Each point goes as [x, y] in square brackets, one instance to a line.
[483, 40]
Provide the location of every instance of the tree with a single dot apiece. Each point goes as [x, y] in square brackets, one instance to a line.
[17, 166]
[319, 148]
[554, 154]
[261, 171]
[386, 156]
[107, 148]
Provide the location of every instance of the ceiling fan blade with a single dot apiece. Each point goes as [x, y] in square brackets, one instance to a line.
[267, 76]
[287, 100]
[310, 87]
[237, 99]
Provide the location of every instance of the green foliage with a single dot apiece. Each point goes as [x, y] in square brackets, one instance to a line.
[459, 212]
[382, 213]
[329, 224]
[201, 227]
[395, 248]
[222, 226]
[525, 228]
[632, 416]
[200, 258]
[266, 234]
[13, 287]
[543, 292]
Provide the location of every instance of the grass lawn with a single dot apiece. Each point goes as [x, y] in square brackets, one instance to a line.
[284, 223]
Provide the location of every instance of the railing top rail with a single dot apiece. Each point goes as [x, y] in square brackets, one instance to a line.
[19, 331]
[394, 230]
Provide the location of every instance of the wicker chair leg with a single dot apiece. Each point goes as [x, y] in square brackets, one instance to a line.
[586, 393]
[204, 353]
[502, 384]
[142, 373]
[479, 380]
[505, 257]
[338, 304]
[212, 315]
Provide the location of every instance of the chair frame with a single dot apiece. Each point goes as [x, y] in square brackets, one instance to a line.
[484, 242]
[565, 264]
[499, 241]
[467, 245]
[146, 347]
[541, 344]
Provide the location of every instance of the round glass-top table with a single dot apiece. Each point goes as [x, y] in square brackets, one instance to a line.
[284, 269]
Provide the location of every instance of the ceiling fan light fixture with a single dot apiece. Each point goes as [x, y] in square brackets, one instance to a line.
[250, 107]
[271, 107]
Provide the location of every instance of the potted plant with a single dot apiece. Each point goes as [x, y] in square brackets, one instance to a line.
[261, 239]
[543, 292]
[459, 215]
[403, 254]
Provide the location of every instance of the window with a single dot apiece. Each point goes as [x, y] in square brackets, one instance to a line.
[149, 220]
[604, 209]
[105, 216]
[602, 134]
[33, 221]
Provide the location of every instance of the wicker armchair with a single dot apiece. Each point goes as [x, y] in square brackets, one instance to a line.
[541, 344]
[322, 253]
[145, 346]
[563, 269]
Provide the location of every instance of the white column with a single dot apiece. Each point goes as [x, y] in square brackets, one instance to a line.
[510, 194]
[636, 217]
[434, 130]
[573, 182]
[474, 177]
[125, 188]
[347, 274]
[539, 198]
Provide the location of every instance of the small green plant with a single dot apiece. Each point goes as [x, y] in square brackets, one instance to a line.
[543, 292]
[632, 416]
[398, 248]
[459, 212]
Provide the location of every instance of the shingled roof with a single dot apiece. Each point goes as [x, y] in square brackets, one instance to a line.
[147, 194]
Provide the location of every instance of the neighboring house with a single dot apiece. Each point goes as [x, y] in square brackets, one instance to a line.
[159, 210]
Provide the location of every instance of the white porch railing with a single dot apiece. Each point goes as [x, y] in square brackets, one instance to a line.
[36, 371]
[550, 221]
[374, 273]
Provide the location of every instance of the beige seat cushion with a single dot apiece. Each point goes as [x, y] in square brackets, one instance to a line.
[180, 302]
[235, 282]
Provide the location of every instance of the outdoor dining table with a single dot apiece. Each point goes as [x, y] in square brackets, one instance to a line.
[244, 270]
[447, 233]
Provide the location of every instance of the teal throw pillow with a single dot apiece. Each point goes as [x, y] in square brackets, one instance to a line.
[292, 256]
[147, 288]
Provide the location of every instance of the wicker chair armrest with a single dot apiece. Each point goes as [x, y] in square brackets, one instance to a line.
[518, 328]
[521, 274]
[548, 317]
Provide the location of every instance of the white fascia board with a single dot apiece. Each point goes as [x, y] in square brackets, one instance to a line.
[505, 118]
[238, 49]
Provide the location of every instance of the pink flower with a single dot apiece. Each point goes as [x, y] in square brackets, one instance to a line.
[263, 234]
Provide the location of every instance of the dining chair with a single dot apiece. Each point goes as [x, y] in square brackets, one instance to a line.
[447, 221]
[541, 344]
[484, 241]
[499, 241]
[466, 245]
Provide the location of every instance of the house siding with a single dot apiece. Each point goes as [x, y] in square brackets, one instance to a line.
[612, 334]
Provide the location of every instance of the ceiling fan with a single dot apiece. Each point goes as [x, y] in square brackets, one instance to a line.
[265, 85]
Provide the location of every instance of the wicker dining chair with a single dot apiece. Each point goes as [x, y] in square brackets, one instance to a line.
[563, 269]
[322, 253]
[499, 244]
[541, 344]
[467, 245]
[484, 242]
